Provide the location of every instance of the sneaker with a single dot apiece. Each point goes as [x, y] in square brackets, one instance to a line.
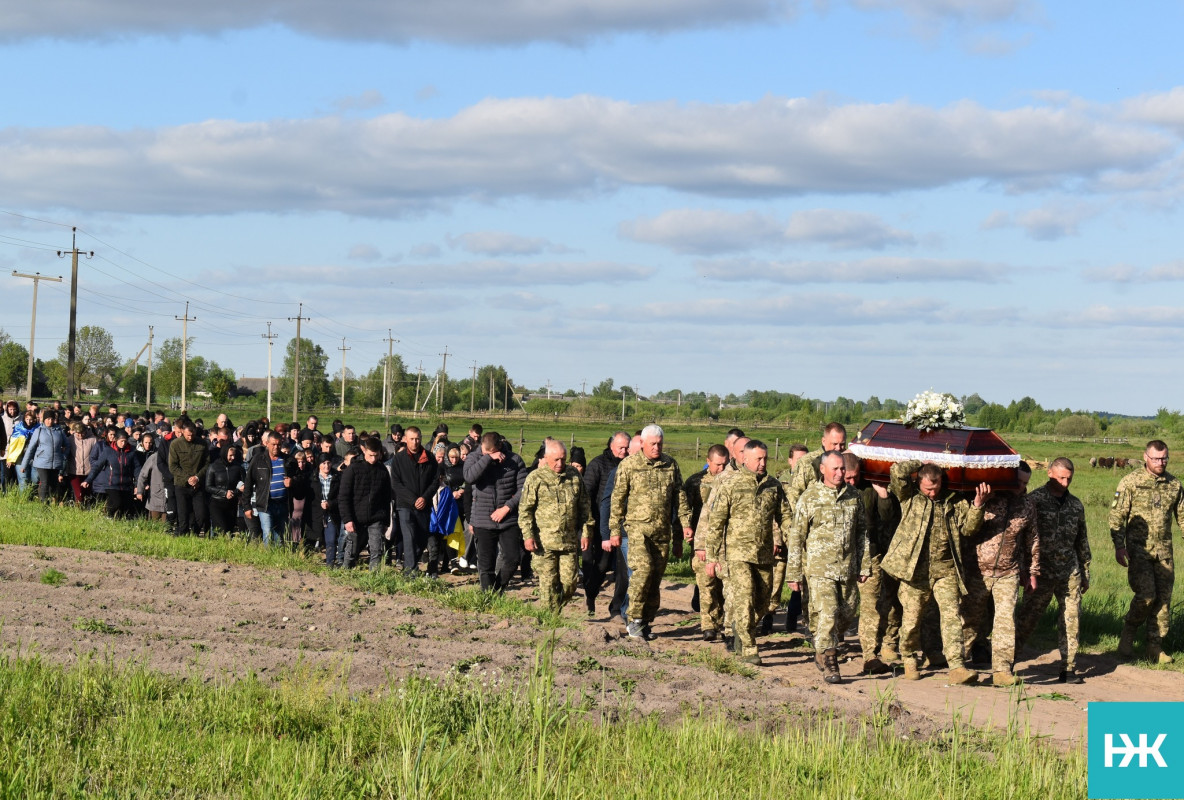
[1070, 676]
[648, 633]
[634, 630]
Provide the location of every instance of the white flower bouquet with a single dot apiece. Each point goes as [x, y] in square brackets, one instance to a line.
[930, 411]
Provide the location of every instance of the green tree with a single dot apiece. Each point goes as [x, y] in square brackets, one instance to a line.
[14, 365]
[166, 374]
[314, 379]
[605, 389]
[95, 360]
[219, 382]
[1077, 425]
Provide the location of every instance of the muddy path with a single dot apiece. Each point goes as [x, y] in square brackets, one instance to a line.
[214, 620]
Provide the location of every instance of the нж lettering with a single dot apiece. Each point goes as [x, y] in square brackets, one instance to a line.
[1129, 750]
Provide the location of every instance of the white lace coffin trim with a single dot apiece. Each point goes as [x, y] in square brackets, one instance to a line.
[940, 458]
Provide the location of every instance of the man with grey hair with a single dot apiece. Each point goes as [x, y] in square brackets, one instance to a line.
[647, 500]
[556, 523]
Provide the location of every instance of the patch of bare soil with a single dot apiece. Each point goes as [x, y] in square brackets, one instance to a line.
[223, 619]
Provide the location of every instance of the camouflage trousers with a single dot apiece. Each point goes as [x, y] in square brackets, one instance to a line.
[748, 597]
[1151, 578]
[879, 611]
[1067, 592]
[913, 598]
[557, 573]
[983, 593]
[832, 610]
[778, 582]
[647, 559]
[711, 597]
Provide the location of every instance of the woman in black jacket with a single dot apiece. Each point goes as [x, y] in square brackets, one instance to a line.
[322, 523]
[224, 484]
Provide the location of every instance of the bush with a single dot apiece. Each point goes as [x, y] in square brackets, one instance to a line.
[1077, 425]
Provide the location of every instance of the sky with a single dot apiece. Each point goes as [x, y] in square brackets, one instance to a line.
[845, 198]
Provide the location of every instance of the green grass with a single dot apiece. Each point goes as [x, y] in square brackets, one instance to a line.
[32, 524]
[53, 577]
[123, 731]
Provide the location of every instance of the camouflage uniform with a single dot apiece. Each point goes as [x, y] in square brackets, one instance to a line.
[1004, 552]
[699, 488]
[926, 557]
[648, 499]
[805, 473]
[879, 605]
[1064, 571]
[740, 535]
[555, 513]
[779, 560]
[1141, 521]
[828, 546]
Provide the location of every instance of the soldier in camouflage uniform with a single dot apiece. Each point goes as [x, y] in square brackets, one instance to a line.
[698, 489]
[926, 557]
[1064, 565]
[1001, 557]
[796, 452]
[741, 540]
[805, 472]
[647, 500]
[1141, 528]
[828, 545]
[556, 522]
[879, 607]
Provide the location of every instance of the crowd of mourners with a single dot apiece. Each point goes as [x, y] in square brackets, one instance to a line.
[925, 576]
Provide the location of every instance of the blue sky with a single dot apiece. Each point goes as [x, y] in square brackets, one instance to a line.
[870, 197]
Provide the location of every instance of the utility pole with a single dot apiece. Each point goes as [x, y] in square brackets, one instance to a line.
[583, 386]
[343, 348]
[148, 399]
[185, 320]
[269, 336]
[36, 277]
[296, 372]
[548, 388]
[73, 337]
[443, 377]
[622, 405]
[418, 379]
[387, 394]
[473, 390]
[506, 401]
[492, 389]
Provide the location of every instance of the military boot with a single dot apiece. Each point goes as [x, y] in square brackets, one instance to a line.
[961, 676]
[1126, 642]
[911, 671]
[1004, 678]
[820, 661]
[875, 666]
[830, 672]
[888, 654]
[1156, 655]
[766, 625]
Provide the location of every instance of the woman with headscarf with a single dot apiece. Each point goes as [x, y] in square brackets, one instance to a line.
[224, 484]
[80, 452]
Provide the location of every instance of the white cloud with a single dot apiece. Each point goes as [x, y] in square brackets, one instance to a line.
[394, 163]
[962, 10]
[1044, 224]
[395, 21]
[364, 252]
[371, 98]
[425, 250]
[1160, 108]
[702, 231]
[1139, 317]
[1121, 273]
[693, 230]
[499, 243]
[871, 270]
[844, 230]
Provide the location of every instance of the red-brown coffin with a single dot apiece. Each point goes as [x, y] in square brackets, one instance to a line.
[882, 434]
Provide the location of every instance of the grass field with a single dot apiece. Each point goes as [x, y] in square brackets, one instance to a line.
[122, 731]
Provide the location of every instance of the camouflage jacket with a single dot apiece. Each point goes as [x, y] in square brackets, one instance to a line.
[1142, 511]
[805, 472]
[648, 497]
[707, 491]
[743, 511]
[883, 516]
[917, 514]
[1008, 543]
[1064, 543]
[828, 537]
[554, 509]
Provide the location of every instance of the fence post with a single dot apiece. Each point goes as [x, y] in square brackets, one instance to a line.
[777, 449]
[696, 448]
[573, 441]
[521, 440]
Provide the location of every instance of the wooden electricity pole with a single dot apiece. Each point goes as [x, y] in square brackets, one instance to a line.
[36, 277]
[296, 370]
[185, 320]
[270, 337]
[343, 348]
[73, 337]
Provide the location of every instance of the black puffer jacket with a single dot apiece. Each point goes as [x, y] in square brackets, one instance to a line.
[495, 484]
[365, 494]
[223, 477]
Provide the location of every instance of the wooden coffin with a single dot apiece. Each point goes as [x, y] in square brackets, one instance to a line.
[968, 456]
